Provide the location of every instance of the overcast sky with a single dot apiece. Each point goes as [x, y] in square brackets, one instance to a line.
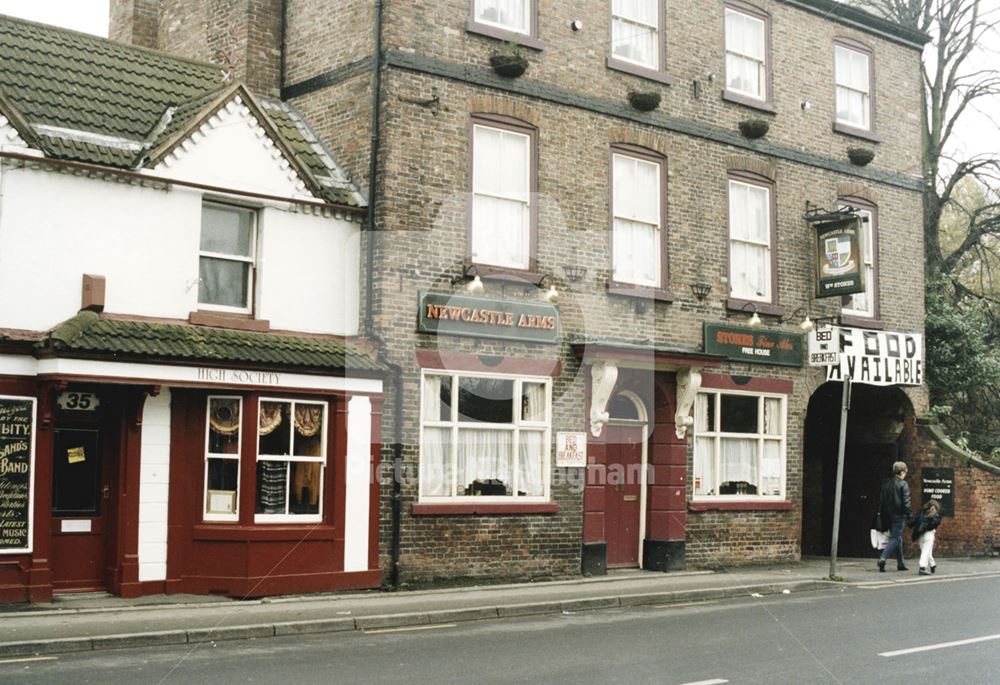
[980, 132]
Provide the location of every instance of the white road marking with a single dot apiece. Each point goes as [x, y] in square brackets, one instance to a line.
[941, 645]
[29, 658]
[717, 681]
[377, 631]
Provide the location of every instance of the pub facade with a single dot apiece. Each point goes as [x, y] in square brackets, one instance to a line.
[642, 191]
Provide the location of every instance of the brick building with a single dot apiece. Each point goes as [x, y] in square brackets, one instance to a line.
[620, 173]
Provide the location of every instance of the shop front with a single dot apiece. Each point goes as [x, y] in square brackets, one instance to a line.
[183, 473]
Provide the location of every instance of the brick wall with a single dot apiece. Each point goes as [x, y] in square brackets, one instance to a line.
[975, 528]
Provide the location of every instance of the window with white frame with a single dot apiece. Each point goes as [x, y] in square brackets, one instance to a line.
[222, 458]
[226, 257]
[750, 224]
[852, 70]
[863, 304]
[635, 28]
[637, 216]
[291, 449]
[484, 436]
[501, 197]
[746, 54]
[512, 15]
[739, 444]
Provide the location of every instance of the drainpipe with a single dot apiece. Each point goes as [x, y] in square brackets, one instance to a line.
[369, 324]
[283, 43]
[373, 168]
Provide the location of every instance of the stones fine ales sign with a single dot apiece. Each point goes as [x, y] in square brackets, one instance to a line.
[17, 443]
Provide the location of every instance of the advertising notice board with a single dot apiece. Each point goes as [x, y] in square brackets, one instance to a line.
[745, 344]
[939, 484]
[877, 357]
[17, 450]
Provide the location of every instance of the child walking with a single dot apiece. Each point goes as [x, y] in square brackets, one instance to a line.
[924, 526]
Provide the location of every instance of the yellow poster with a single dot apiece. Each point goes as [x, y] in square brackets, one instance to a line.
[75, 455]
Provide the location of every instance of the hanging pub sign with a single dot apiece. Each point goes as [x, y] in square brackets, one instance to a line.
[479, 317]
[840, 256]
[17, 450]
[878, 357]
[745, 344]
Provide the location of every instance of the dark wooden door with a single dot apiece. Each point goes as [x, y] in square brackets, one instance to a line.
[81, 497]
[622, 494]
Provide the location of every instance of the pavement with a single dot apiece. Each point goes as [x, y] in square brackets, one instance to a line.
[97, 621]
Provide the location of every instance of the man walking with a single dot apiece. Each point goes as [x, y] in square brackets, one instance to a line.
[895, 507]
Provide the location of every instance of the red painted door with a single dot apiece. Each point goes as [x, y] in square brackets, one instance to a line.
[81, 490]
[621, 497]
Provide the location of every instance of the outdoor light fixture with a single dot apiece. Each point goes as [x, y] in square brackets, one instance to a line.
[575, 272]
[475, 286]
[552, 295]
[806, 325]
[754, 321]
[701, 290]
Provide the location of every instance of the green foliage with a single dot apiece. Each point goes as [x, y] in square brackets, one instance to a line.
[963, 367]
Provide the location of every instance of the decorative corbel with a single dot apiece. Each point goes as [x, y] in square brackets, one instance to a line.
[603, 376]
[688, 384]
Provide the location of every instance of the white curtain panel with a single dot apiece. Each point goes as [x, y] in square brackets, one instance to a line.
[485, 454]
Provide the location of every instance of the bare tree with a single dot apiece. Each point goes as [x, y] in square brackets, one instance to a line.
[953, 86]
[961, 214]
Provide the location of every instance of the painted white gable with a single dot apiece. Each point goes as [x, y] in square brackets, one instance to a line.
[9, 137]
[232, 150]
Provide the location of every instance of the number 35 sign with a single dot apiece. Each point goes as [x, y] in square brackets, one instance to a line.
[78, 401]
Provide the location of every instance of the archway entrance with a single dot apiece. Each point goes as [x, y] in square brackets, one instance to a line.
[875, 439]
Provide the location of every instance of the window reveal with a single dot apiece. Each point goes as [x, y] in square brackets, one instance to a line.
[746, 53]
[501, 197]
[226, 257]
[291, 440]
[635, 32]
[484, 436]
[750, 241]
[853, 77]
[739, 445]
[637, 208]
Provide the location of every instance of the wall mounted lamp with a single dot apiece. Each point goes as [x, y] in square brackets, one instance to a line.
[575, 272]
[701, 290]
[807, 324]
[473, 286]
[754, 321]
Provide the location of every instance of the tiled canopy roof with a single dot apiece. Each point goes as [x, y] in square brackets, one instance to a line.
[89, 334]
[89, 99]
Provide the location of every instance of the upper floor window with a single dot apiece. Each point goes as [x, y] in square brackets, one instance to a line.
[739, 444]
[635, 28]
[751, 226]
[863, 304]
[484, 436]
[746, 52]
[853, 74]
[226, 257]
[510, 15]
[502, 179]
[637, 215]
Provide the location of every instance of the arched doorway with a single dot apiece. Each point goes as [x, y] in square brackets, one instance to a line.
[625, 485]
[875, 439]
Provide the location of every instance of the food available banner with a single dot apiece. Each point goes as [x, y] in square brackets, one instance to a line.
[17, 450]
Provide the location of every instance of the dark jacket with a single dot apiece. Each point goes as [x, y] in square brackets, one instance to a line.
[923, 523]
[894, 501]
